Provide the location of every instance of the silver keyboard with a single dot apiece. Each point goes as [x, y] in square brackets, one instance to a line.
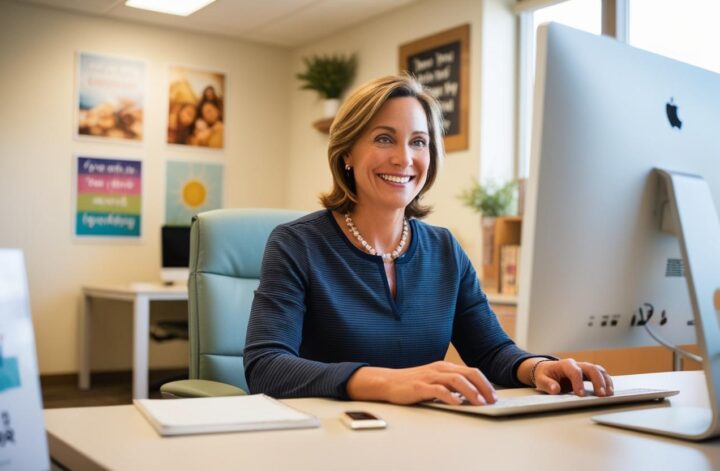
[534, 402]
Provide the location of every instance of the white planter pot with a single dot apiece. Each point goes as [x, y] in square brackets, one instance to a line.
[330, 107]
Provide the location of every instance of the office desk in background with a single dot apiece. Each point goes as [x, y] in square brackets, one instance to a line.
[140, 295]
[417, 438]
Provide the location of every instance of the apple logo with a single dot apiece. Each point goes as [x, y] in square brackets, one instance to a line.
[671, 110]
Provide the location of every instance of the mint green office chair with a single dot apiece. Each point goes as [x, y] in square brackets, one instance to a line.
[226, 250]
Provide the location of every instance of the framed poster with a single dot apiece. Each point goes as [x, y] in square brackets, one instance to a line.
[441, 63]
[191, 188]
[196, 104]
[108, 197]
[110, 97]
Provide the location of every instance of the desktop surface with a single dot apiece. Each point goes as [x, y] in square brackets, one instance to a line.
[118, 437]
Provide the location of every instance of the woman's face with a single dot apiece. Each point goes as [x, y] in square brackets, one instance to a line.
[210, 113]
[391, 157]
[187, 115]
[209, 93]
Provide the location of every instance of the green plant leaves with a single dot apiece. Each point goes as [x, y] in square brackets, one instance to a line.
[490, 200]
[328, 75]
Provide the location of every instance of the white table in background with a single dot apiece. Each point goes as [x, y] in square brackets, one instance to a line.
[417, 438]
[140, 295]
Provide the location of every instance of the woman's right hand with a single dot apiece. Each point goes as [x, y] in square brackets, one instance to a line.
[441, 380]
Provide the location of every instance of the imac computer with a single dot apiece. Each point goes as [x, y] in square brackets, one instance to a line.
[621, 226]
[175, 246]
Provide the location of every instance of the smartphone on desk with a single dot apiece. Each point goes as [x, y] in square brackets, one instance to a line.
[361, 420]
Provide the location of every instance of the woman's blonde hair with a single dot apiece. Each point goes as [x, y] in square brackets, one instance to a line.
[350, 122]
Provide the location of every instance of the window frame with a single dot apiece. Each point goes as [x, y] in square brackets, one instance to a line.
[614, 23]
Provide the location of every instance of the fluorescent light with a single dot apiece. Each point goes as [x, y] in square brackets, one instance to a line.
[171, 7]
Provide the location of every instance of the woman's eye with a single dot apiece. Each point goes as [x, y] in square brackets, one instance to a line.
[419, 143]
[383, 139]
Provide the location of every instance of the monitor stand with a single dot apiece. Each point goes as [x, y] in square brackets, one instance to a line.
[689, 213]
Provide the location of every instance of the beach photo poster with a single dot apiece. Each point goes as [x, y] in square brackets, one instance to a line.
[108, 197]
[110, 97]
[191, 188]
[196, 107]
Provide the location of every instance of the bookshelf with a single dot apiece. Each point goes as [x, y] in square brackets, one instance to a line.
[507, 231]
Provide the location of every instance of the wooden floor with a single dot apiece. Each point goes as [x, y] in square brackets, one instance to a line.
[107, 388]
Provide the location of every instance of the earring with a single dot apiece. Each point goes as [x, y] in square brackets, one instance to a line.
[348, 168]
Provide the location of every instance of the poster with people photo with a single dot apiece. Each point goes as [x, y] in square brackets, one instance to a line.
[196, 108]
[110, 97]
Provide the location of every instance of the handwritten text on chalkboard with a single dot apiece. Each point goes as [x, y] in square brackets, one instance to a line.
[438, 70]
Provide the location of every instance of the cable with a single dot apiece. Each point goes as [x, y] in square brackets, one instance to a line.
[668, 345]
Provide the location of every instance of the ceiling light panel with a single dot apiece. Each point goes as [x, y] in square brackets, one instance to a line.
[170, 7]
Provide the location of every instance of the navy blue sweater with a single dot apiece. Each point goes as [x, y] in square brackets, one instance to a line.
[323, 309]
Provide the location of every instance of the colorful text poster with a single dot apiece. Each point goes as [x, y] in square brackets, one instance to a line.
[191, 188]
[111, 97]
[196, 108]
[109, 197]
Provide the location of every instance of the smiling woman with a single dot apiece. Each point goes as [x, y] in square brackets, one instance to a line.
[361, 301]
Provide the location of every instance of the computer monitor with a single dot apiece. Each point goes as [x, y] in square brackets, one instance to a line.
[175, 246]
[608, 238]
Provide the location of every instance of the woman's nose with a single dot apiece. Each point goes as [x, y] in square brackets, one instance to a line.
[402, 157]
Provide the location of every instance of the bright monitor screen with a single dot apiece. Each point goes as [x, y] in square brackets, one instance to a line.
[594, 260]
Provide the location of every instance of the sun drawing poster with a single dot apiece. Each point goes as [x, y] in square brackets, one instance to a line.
[191, 188]
[108, 198]
[111, 97]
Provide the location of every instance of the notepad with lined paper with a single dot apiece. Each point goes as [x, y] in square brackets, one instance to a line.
[221, 414]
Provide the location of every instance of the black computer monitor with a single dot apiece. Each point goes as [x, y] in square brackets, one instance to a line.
[175, 245]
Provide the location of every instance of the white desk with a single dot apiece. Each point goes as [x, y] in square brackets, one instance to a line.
[417, 438]
[140, 295]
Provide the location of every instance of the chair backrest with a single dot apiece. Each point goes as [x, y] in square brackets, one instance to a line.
[226, 250]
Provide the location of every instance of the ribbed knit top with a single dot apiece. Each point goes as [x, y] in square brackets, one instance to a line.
[323, 309]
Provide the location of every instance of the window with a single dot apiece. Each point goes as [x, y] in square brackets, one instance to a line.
[581, 14]
[685, 31]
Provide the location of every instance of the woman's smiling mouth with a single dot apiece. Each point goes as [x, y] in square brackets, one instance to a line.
[396, 178]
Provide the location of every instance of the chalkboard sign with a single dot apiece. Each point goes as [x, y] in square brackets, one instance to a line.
[440, 63]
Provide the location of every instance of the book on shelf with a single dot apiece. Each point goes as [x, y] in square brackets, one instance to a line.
[509, 263]
[221, 414]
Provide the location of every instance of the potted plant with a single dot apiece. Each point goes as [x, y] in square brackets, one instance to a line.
[329, 76]
[490, 201]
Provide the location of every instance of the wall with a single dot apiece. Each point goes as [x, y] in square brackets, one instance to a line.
[37, 48]
[492, 105]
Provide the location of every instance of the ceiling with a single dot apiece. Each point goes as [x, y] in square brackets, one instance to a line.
[287, 23]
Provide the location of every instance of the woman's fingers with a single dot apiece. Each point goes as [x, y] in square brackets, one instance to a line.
[478, 381]
[483, 385]
[608, 381]
[552, 375]
[460, 384]
[547, 384]
[595, 375]
[441, 393]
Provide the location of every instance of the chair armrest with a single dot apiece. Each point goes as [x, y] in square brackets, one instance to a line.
[199, 388]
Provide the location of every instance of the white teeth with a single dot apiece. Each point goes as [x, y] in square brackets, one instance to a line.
[394, 179]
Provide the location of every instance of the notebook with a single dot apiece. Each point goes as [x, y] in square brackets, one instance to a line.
[221, 414]
[528, 401]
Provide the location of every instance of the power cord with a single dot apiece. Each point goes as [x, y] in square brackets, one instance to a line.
[673, 348]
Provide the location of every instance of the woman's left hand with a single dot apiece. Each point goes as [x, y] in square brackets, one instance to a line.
[556, 376]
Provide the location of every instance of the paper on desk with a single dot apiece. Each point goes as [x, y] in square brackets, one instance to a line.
[221, 414]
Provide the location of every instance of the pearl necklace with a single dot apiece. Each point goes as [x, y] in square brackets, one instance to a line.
[387, 257]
